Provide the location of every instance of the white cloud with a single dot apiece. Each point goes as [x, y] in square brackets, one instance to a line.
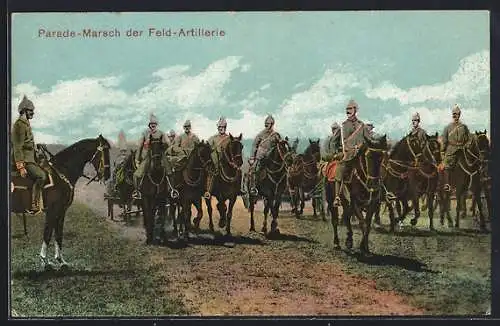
[264, 87]
[43, 138]
[245, 67]
[249, 124]
[433, 119]
[471, 80]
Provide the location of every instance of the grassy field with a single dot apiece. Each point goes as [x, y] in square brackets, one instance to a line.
[109, 275]
[444, 272]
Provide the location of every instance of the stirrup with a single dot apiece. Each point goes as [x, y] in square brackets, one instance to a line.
[337, 202]
[136, 195]
[390, 196]
[254, 191]
[447, 187]
[34, 211]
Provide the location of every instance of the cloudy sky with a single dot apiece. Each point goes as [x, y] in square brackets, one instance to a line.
[302, 67]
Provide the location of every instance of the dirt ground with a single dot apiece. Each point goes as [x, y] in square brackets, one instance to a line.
[257, 276]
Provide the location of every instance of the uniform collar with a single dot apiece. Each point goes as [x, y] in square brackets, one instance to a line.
[24, 119]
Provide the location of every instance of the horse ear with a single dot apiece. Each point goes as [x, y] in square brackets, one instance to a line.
[310, 141]
[231, 137]
[436, 133]
[485, 131]
[286, 138]
[476, 133]
[240, 136]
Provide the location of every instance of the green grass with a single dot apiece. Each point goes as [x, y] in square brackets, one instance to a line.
[108, 275]
[445, 273]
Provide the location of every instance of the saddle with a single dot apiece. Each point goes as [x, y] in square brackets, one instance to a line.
[21, 190]
[328, 170]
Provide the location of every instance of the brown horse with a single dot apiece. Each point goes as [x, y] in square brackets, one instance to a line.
[190, 181]
[363, 193]
[398, 172]
[271, 183]
[226, 183]
[303, 177]
[484, 155]
[64, 169]
[155, 187]
[466, 176]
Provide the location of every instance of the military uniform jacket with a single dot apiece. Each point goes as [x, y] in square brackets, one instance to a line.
[264, 142]
[420, 134]
[455, 136]
[331, 147]
[144, 142]
[354, 132]
[216, 142]
[185, 142]
[23, 143]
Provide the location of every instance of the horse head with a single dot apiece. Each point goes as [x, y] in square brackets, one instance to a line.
[373, 151]
[434, 148]
[483, 145]
[314, 149]
[156, 150]
[284, 151]
[234, 151]
[203, 152]
[100, 159]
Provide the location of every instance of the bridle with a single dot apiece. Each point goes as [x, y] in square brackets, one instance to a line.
[102, 164]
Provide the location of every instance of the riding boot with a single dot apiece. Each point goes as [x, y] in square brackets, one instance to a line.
[136, 194]
[337, 202]
[446, 180]
[36, 202]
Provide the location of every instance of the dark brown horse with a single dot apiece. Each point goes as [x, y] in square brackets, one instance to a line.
[466, 176]
[484, 154]
[398, 172]
[155, 187]
[124, 182]
[363, 193]
[303, 177]
[226, 183]
[271, 183]
[190, 182]
[64, 169]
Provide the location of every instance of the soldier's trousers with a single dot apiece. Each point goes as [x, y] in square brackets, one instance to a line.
[36, 173]
[343, 170]
[450, 159]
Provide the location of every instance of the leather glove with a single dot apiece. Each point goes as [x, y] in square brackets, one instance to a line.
[22, 169]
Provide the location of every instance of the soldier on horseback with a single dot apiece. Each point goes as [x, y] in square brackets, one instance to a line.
[171, 137]
[332, 146]
[23, 153]
[353, 133]
[216, 141]
[184, 144]
[416, 130]
[120, 159]
[455, 137]
[142, 159]
[263, 144]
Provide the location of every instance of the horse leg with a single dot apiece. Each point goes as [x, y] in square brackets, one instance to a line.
[302, 201]
[368, 218]
[148, 217]
[430, 209]
[199, 213]
[59, 228]
[266, 212]
[50, 220]
[25, 227]
[477, 195]
[251, 207]
[362, 223]
[391, 216]
[208, 202]
[275, 211]
[229, 215]
[347, 211]
[459, 194]
[416, 209]
[221, 207]
[377, 213]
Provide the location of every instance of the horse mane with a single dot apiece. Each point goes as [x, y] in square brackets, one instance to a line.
[64, 154]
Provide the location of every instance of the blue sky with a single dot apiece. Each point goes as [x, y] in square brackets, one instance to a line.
[302, 67]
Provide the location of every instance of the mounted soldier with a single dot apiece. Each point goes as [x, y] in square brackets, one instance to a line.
[120, 159]
[416, 130]
[23, 153]
[332, 146]
[455, 137]
[142, 159]
[184, 144]
[264, 142]
[216, 142]
[353, 135]
[171, 137]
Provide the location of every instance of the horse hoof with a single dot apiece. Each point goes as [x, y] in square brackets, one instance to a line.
[252, 229]
[414, 222]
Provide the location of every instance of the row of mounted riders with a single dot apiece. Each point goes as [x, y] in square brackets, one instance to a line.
[410, 170]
